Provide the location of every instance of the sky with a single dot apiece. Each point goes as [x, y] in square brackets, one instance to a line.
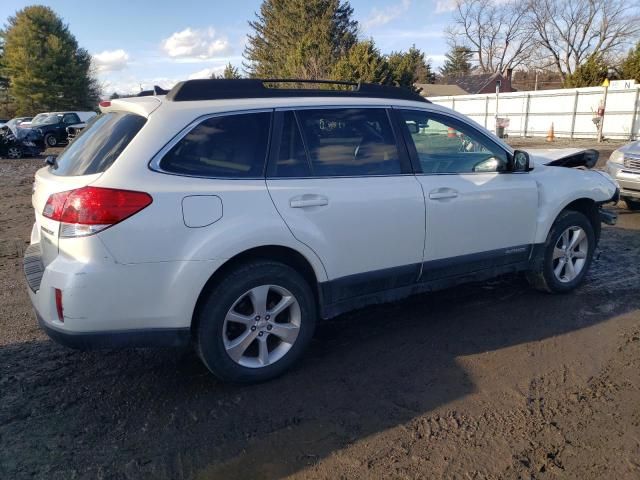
[138, 44]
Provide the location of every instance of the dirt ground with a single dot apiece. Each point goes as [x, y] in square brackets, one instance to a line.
[483, 381]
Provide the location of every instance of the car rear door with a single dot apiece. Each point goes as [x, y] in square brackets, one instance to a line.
[343, 184]
[479, 215]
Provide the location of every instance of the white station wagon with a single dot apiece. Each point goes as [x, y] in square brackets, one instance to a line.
[231, 214]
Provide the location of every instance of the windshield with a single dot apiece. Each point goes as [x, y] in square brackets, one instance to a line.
[99, 144]
[46, 119]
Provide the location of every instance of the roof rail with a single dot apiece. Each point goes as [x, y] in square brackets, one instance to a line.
[219, 89]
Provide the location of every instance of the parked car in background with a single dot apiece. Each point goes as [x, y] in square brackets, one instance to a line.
[233, 216]
[15, 145]
[27, 123]
[17, 122]
[624, 168]
[73, 132]
[52, 126]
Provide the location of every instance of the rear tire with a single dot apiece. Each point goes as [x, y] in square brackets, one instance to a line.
[632, 204]
[567, 255]
[50, 140]
[256, 322]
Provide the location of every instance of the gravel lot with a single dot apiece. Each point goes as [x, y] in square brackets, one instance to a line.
[490, 380]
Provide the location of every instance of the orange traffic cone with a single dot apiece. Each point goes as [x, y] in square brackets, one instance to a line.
[451, 132]
[551, 136]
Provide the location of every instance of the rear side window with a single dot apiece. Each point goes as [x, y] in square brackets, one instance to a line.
[229, 146]
[349, 142]
[99, 144]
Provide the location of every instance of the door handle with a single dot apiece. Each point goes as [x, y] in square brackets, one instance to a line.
[307, 200]
[443, 193]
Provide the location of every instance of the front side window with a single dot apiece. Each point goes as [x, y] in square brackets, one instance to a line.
[229, 146]
[349, 142]
[444, 146]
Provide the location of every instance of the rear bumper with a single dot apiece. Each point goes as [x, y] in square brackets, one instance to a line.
[111, 305]
[160, 337]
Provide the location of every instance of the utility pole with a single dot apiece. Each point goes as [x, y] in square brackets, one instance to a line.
[604, 107]
[497, 97]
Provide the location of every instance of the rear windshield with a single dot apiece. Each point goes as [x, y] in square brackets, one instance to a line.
[99, 144]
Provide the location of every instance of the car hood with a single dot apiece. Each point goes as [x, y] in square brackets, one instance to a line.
[27, 133]
[563, 157]
[632, 148]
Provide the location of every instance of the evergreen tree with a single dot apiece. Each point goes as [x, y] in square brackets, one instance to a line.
[630, 67]
[457, 63]
[299, 38]
[409, 67]
[362, 63]
[45, 67]
[588, 74]
[230, 72]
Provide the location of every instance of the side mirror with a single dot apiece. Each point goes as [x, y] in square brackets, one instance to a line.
[51, 160]
[520, 161]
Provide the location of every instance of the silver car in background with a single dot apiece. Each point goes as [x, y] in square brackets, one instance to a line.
[624, 168]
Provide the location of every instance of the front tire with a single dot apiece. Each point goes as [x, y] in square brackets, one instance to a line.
[255, 323]
[632, 204]
[567, 255]
[14, 152]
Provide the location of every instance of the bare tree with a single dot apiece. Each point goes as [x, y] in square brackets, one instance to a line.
[569, 32]
[498, 33]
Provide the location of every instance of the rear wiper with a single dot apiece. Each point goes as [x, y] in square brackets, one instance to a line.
[52, 161]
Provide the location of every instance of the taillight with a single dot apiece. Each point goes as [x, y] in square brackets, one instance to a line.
[88, 210]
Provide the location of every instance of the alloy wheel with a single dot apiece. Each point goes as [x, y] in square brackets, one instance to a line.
[261, 326]
[570, 254]
[14, 152]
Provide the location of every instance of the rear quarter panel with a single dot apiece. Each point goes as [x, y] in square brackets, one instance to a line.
[159, 234]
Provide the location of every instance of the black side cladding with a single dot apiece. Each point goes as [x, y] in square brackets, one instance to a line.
[221, 89]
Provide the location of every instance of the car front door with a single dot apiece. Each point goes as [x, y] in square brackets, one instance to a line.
[479, 214]
[343, 184]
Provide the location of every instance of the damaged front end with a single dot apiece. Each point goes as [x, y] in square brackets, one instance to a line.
[564, 157]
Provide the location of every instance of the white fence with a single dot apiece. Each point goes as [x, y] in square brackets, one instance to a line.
[571, 111]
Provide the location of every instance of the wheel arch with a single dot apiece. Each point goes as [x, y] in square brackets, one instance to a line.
[583, 204]
[589, 208]
[279, 253]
